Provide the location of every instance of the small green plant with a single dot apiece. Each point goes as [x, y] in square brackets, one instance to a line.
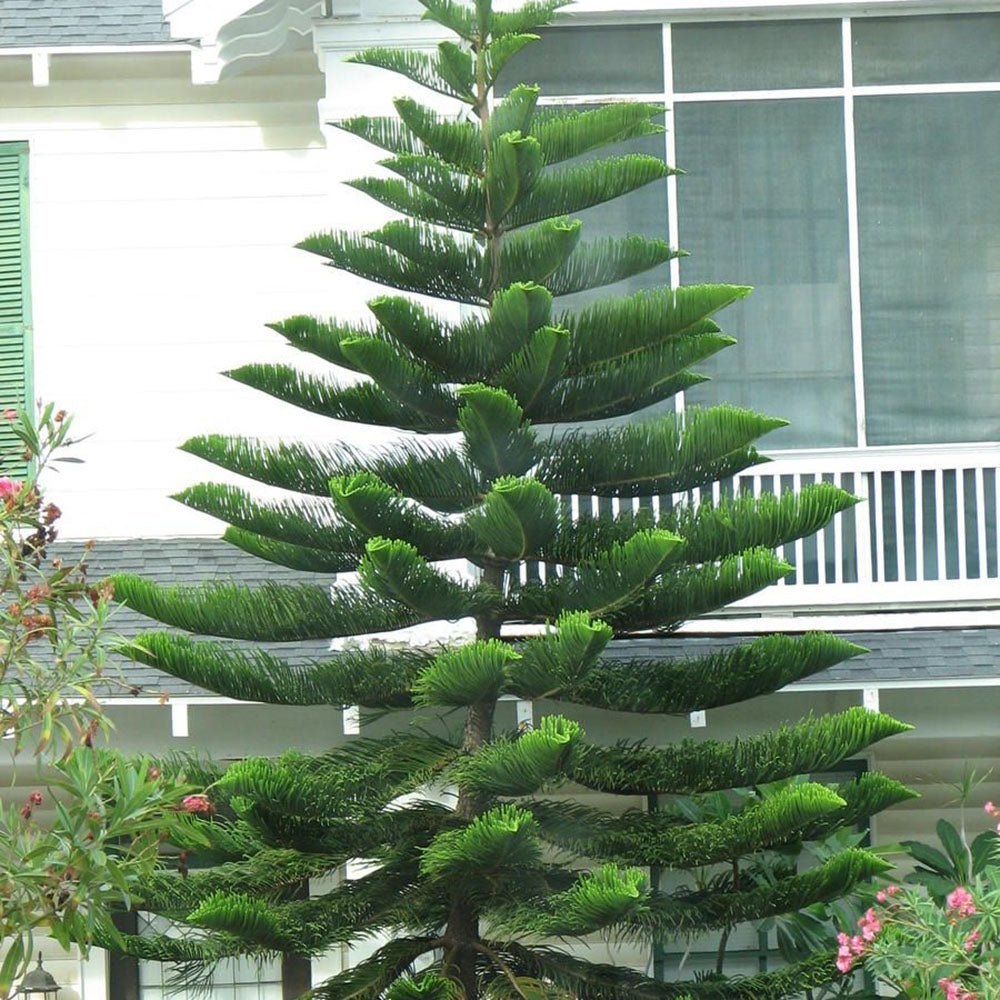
[91, 826]
[939, 935]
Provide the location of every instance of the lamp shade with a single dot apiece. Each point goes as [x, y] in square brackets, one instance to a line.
[39, 982]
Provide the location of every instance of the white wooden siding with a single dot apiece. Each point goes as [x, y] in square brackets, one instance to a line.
[164, 217]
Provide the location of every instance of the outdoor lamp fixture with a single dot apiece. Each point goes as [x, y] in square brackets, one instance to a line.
[39, 983]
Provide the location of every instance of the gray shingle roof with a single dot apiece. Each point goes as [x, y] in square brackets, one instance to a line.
[81, 22]
[185, 561]
[895, 656]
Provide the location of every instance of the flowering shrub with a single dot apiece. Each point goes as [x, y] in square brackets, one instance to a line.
[76, 846]
[926, 946]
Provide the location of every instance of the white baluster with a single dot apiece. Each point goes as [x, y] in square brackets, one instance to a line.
[918, 522]
[800, 545]
[838, 537]
[963, 568]
[897, 485]
[942, 554]
[878, 567]
[862, 531]
[981, 521]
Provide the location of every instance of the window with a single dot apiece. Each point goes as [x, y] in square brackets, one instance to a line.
[845, 169]
[235, 979]
[15, 300]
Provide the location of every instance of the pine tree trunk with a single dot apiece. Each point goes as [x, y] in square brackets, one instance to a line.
[463, 921]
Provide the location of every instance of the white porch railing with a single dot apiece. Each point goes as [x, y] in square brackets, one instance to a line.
[926, 533]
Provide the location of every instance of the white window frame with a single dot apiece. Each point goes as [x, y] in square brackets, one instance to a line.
[598, 12]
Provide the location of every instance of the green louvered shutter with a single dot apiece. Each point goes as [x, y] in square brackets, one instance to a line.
[15, 298]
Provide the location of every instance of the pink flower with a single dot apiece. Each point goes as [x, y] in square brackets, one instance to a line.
[197, 804]
[960, 902]
[844, 963]
[845, 956]
[954, 990]
[970, 941]
[870, 925]
[991, 810]
[848, 951]
[8, 488]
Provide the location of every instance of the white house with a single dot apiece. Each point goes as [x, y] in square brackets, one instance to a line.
[159, 159]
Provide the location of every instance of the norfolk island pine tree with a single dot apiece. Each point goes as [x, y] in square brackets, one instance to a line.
[494, 418]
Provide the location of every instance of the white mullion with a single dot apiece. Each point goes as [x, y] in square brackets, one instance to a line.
[903, 89]
[980, 477]
[574, 99]
[670, 143]
[853, 237]
[788, 94]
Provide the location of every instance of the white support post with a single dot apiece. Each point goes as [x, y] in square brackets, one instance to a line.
[525, 716]
[179, 719]
[40, 69]
[94, 975]
[352, 720]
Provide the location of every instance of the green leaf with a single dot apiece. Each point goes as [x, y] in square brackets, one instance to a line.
[444, 72]
[556, 661]
[614, 328]
[305, 522]
[526, 17]
[373, 678]
[407, 381]
[427, 409]
[424, 260]
[432, 474]
[666, 454]
[566, 132]
[515, 112]
[455, 66]
[517, 517]
[395, 571]
[501, 50]
[632, 383]
[605, 261]
[512, 168]
[574, 189]
[539, 253]
[456, 17]
[408, 199]
[530, 375]
[497, 439]
[501, 839]
[458, 143]
[932, 858]
[372, 507]
[272, 612]
[695, 683]
[319, 337]
[816, 744]
[597, 899]
[466, 675]
[13, 961]
[523, 765]
[955, 849]
[459, 192]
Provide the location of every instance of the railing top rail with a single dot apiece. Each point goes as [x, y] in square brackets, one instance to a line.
[910, 459]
